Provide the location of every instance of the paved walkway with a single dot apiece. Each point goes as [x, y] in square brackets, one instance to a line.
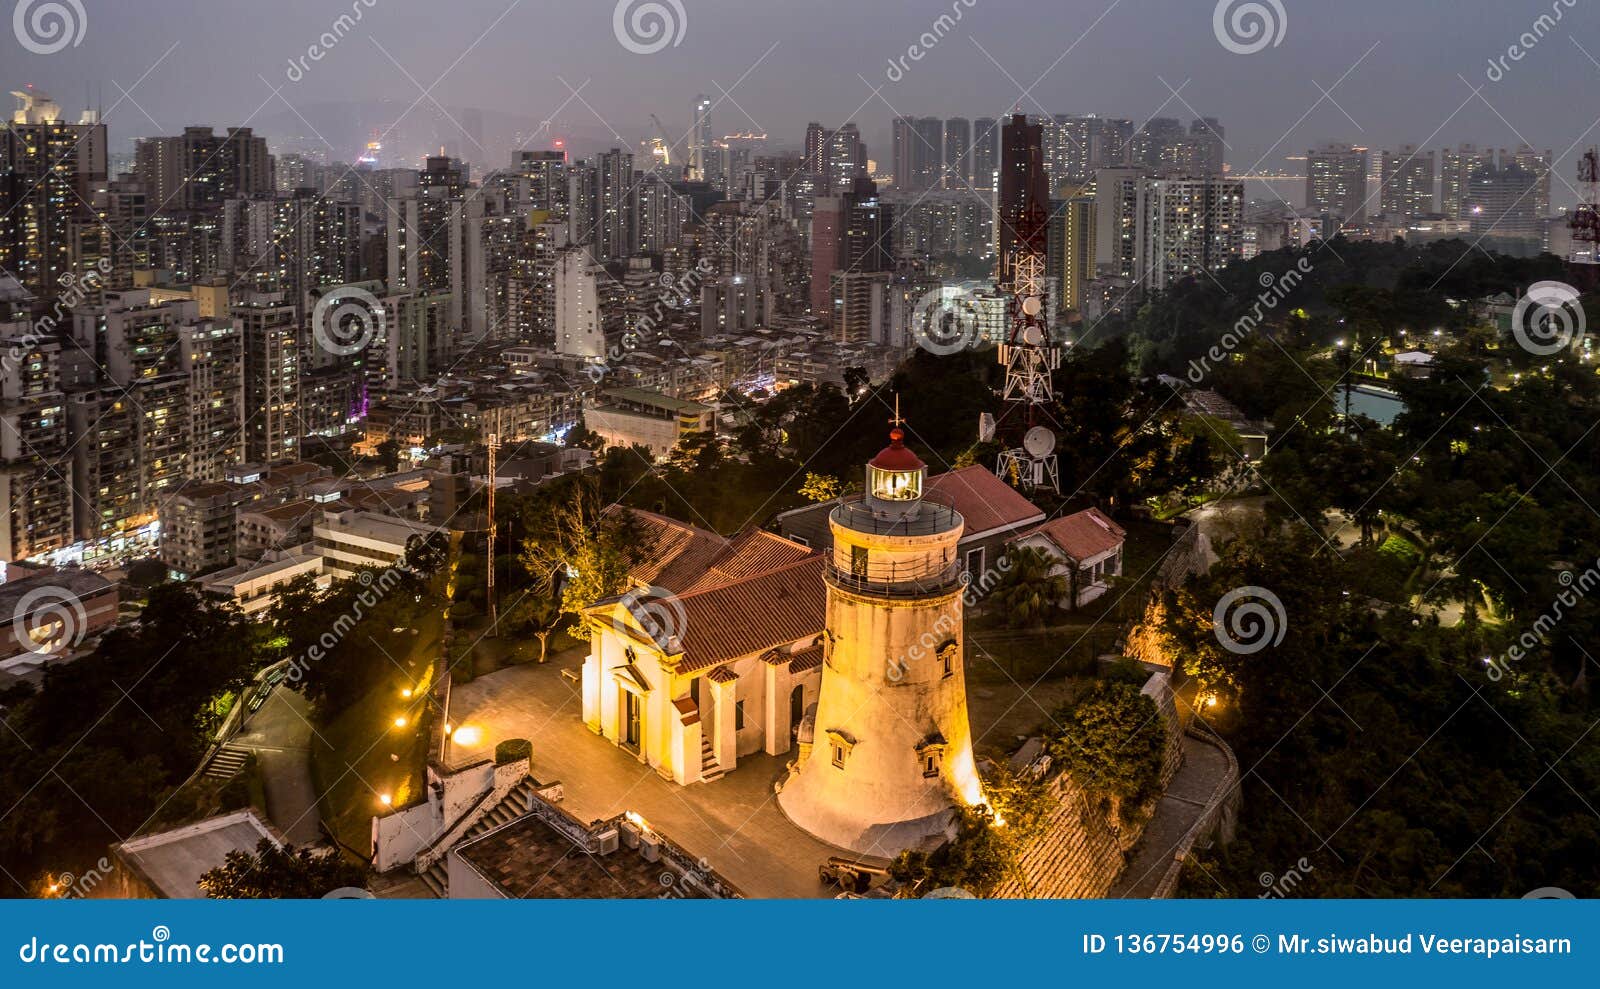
[1204, 771]
[280, 736]
[733, 823]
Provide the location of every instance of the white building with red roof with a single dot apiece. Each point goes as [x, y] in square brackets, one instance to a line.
[1086, 549]
[711, 655]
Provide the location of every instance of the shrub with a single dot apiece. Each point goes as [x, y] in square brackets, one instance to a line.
[511, 750]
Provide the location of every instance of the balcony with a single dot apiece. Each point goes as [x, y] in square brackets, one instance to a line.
[932, 517]
[899, 580]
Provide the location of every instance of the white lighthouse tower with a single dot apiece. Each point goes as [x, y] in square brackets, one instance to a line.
[891, 749]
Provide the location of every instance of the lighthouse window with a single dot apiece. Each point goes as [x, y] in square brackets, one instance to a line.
[896, 485]
[858, 561]
[838, 755]
[930, 765]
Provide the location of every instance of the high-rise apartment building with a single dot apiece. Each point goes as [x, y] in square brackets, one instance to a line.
[1336, 184]
[1407, 182]
[48, 170]
[1024, 197]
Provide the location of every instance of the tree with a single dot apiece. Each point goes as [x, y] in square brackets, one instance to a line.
[1112, 740]
[820, 487]
[280, 873]
[590, 548]
[1028, 593]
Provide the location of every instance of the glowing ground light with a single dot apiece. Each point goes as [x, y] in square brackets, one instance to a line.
[468, 735]
[385, 799]
[406, 693]
[400, 722]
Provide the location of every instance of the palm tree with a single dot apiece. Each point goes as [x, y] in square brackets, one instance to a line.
[1028, 593]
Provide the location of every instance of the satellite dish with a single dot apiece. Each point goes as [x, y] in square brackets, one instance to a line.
[1032, 305]
[1040, 442]
[986, 428]
[1033, 336]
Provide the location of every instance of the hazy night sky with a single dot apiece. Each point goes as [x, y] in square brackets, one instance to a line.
[508, 58]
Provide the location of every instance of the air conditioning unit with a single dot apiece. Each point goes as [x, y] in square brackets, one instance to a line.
[607, 841]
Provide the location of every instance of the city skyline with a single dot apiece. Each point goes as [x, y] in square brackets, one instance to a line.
[773, 71]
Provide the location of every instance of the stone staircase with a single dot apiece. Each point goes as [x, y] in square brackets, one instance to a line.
[225, 765]
[710, 769]
[512, 806]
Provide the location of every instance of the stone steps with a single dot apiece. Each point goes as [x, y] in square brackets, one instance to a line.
[512, 806]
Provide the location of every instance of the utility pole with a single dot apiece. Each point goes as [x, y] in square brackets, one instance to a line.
[494, 447]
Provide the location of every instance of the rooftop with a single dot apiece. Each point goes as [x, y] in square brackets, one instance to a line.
[1083, 536]
[550, 855]
[172, 862]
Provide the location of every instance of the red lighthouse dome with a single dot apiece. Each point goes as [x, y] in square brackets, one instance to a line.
[897, 456]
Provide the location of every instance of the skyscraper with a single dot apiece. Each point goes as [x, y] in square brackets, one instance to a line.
[985, 152]
[702, 142]
[1336, 184]
[1408, 182]
[1456, 166]
[957, 153]
[1024, 204]
[47, 169]
[918, 153]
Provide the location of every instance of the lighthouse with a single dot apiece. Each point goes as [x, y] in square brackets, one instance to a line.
[890, 753]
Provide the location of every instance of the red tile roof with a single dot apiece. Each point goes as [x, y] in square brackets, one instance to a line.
[751, 553]
[984, 501]
[1083, 536]
[753, 615]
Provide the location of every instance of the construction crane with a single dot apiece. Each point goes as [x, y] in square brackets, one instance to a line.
[663, 143]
